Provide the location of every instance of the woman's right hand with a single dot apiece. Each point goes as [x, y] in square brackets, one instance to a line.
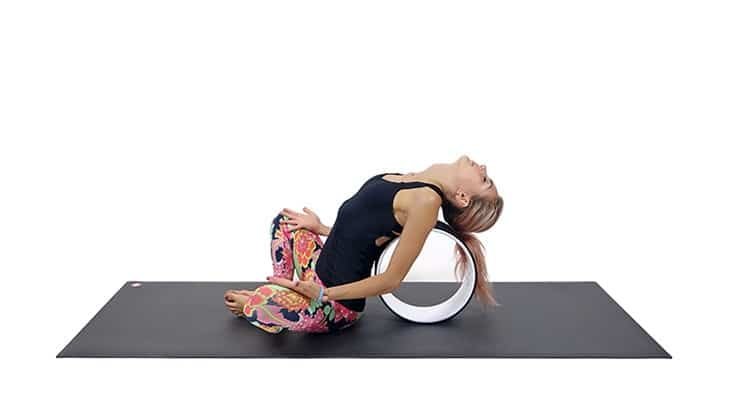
[308, 220]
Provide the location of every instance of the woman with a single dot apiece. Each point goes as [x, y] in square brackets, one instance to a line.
[332, 295]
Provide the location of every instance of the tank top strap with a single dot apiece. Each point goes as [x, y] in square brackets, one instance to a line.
[433, 186]
[416, 184]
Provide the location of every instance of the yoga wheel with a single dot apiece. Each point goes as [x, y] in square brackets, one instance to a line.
[444, 310]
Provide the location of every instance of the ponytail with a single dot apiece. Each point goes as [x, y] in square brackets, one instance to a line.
[478, 216]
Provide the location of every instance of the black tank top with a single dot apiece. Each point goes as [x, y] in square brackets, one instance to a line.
[350, 252]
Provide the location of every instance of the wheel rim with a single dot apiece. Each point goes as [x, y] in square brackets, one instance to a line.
[440, 311]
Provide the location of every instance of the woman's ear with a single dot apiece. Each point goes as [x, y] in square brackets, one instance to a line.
[462, 199]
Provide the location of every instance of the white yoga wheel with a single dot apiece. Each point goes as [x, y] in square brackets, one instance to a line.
[432, 313]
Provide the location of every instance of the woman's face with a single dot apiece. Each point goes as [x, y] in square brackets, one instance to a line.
[472, 180]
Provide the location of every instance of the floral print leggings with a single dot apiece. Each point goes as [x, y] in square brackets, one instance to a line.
[274, 308]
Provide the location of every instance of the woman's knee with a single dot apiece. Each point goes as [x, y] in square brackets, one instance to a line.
[275, 223]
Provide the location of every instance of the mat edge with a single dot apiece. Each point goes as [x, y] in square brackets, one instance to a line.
[64, 351]
[667, 354]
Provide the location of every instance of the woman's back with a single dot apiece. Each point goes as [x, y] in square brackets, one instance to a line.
[354, 241]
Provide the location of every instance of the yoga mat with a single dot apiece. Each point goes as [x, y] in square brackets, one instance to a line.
[536, 320]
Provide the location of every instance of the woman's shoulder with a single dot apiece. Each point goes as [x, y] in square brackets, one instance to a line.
[418, 200]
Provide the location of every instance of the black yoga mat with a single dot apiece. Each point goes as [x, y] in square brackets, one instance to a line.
[535, 320]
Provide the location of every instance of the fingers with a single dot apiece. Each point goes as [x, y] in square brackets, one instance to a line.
[281, 281]
[293, 219]
[304, 288]
[292, 215]
[309, 288]
[311, 212]
[296, 221]
[289, 213]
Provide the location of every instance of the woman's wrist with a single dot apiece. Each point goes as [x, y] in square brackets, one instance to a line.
[323, 230]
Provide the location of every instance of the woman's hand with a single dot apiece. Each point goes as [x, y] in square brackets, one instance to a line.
[308, 288]
[310, 220]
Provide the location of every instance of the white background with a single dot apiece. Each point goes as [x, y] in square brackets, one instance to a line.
[156, 140]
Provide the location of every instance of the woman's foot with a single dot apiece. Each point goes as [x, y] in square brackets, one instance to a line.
[243, 292]
[235, 299]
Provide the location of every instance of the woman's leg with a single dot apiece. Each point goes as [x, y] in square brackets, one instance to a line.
[291, 251]
[274, 308]
[281, 256]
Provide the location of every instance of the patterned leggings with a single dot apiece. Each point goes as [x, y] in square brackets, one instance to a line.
[274, 308]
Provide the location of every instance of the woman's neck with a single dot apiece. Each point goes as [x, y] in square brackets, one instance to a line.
[437, 174]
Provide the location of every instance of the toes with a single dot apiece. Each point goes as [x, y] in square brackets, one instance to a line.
[231, 303]
[234, 302]
[234, 308]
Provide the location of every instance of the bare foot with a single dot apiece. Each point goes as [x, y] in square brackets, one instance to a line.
[235, 299]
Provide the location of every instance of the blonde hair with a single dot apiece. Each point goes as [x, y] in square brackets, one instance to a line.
[478, 216]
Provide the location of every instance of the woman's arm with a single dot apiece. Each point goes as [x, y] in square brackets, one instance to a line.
[422, 217]
[368, 287]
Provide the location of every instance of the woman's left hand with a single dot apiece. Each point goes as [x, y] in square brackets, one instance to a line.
[308, 288]
[308, 220]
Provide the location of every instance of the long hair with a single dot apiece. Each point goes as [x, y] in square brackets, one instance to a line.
[478, 216]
